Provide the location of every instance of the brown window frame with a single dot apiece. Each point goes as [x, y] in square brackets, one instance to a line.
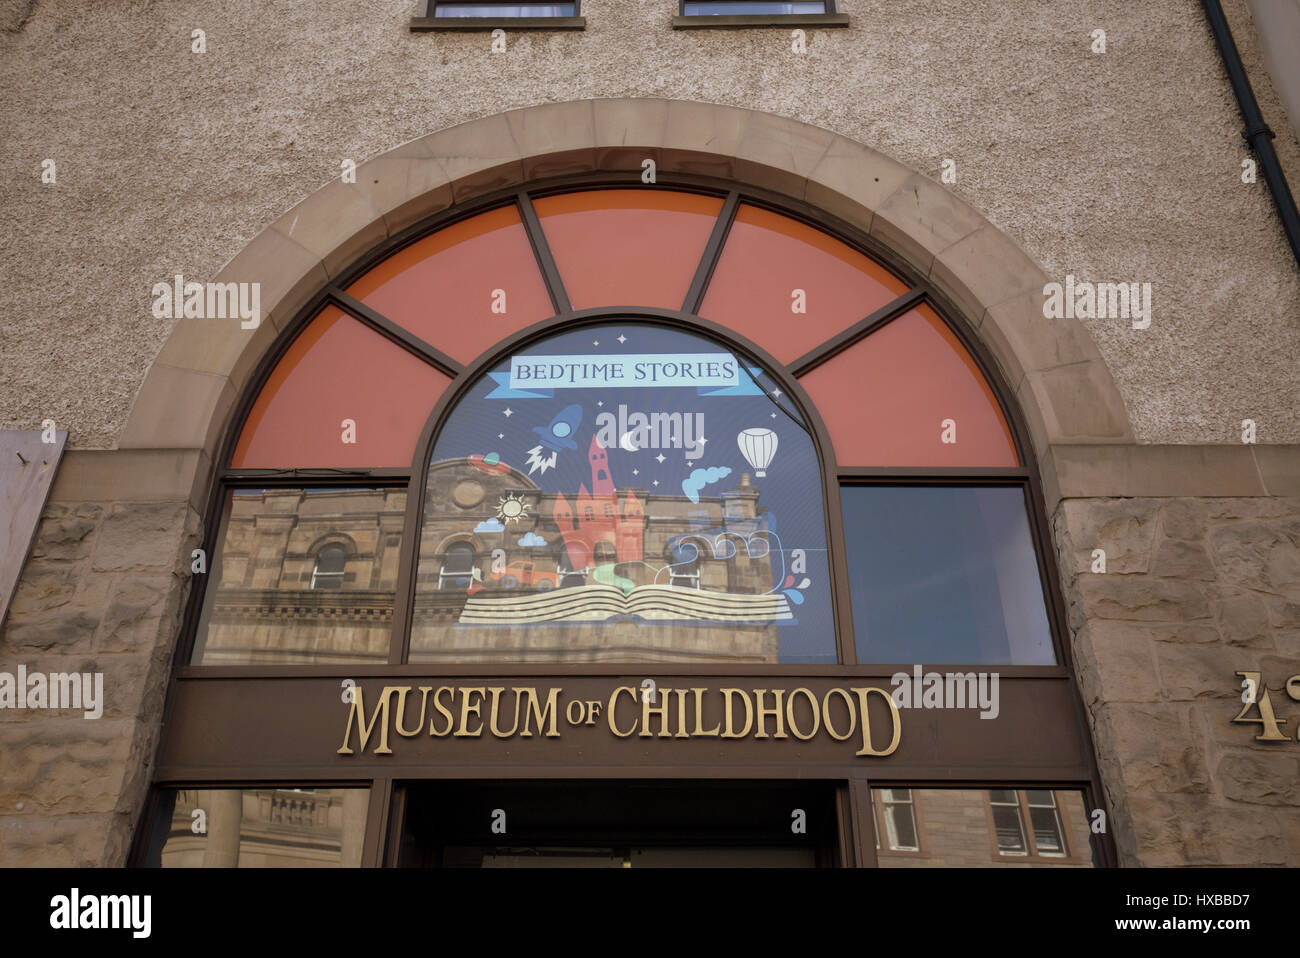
[1032, 854]
[427, 19]
[704, 21]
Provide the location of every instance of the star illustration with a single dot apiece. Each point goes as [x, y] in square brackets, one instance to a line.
[703, 440]
[656, 482]
[773, 415]
[622, 338]
[661, 457]
[595, 342]
[600, 402]
[636, 472]
[776, 393]
[508, 412]
[501, 435]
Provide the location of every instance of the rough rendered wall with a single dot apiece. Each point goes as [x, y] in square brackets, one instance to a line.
[1115, 166]
[1194, 590]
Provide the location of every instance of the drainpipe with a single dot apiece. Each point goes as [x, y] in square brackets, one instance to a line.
[1257, 133]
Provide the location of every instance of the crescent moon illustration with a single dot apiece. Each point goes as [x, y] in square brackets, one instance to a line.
[626, 443]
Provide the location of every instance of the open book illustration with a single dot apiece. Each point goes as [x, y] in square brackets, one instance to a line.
[600, 603]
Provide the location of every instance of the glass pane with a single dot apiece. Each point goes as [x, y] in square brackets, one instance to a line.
[767, 258]
[505, 10]
[628, 247]
[960, 827]
[1047, 831]
[1003, 796]
[463, 289]
[944, 575]
[886, 398]
[696, 8]
[1040, 797]
[339, 369]
[1011, 837]
[901, 822]
[262, 605]
[276, 827]
[594, 475]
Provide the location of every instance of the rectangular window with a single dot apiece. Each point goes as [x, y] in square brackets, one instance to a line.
[302, 576]
[980, 828]
[944, 574]
[714, 8]
[504, 9]
[898, 813]
[273, 827]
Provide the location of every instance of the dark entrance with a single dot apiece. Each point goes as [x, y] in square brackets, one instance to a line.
[616, 824]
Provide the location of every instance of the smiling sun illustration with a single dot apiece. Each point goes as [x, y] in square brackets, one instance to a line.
[511, 508]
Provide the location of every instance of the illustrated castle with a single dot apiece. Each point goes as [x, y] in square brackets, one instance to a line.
[596, 518]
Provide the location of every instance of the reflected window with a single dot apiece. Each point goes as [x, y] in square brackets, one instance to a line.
[979, 828]
[275, 596]
[897, 810]
[259, 828]
[329, 571]
[646, 493]
[944, 574]
[457, 567]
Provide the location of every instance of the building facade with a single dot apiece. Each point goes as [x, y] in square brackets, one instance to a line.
[858, 438]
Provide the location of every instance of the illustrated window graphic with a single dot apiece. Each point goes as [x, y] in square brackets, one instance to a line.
[644, 494]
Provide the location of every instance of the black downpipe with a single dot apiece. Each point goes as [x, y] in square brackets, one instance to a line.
[1257, 133]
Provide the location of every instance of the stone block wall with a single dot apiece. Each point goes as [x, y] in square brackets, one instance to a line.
[101, 592]
[1194, 591]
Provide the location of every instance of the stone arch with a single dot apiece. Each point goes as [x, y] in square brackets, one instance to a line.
[1064, 389]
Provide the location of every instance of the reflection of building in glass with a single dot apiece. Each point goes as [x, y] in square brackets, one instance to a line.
[934, 827]
[304, 576]
[267, 828]
[586, 560]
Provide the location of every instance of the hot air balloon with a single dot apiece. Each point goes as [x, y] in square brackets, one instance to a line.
[758, 446]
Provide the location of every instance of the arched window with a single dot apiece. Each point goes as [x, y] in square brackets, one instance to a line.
[329, 570]
[457, 567]
[631, 429]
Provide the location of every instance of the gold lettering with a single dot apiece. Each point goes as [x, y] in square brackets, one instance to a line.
[816, 714]
[443, 710]
[660, 710]
[492, 715]
[467, 707]
[727, 717]
[380, 715]
[401, 711]
[681, 714]
[867, 748]
[699, 716]
[535, 711]
[613, 704]
[826, 714]
[774, 711]
[1293, 687]
[1271, 731]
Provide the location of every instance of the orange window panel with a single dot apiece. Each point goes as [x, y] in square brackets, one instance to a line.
[884, 399]
[446, 287]
[767, 258]
[627, 247]
[339, 369]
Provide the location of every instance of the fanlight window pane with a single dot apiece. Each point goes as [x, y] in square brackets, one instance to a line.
[272, 599]
[910, 395]
[273, 827]
[944, 574]
[339, 369]
[505, 10]
[789, 287]
[696, 8]
[627, 247]
[632, 493]
[464, 288]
